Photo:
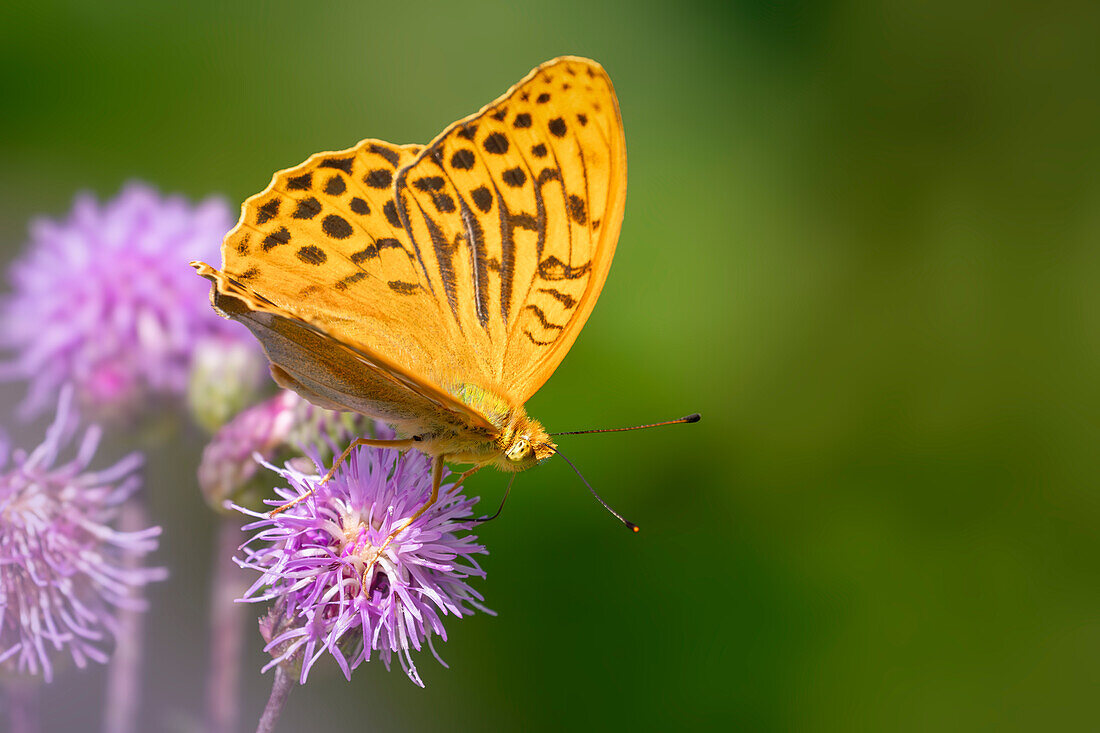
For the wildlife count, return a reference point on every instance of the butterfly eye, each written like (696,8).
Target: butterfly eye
(519,450)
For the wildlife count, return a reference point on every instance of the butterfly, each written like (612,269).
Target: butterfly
(436,287)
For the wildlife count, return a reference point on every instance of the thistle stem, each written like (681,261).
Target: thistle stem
(124,675)
(227,622)
(280,689)
(23,706)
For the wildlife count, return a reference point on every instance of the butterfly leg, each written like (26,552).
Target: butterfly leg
(400,444)
(462,477)
(437,478)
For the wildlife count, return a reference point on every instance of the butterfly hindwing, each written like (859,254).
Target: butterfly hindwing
(338,374)
(324,242)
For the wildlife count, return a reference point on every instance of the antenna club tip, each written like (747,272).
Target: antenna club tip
(633,527)
(693,417)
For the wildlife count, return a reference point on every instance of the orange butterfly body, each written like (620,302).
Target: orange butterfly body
(437,287)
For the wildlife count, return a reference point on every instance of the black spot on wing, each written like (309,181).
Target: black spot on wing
(444,204)
(563,298)
(428,183)
(335,185)
(367,253)
(549,174)
(350,280)
(268,211)
(405,288)
(300,183)
(524,221)
(273,240)
(390,210)
(483,200)
(312,255)
(576,209)
(336,226)
(379,178)
(496,144)
(554,269)
(373,250)
(463,159)
(343,164)
(359,206)
(307,208)
(391,155)
(515,177)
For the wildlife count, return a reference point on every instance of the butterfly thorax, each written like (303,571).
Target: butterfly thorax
(520,442)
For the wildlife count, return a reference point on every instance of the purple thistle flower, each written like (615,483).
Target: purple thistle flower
(105,300)
(312,558)
(63,569)
(279,427)
(227,460)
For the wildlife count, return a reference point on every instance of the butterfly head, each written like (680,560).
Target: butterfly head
(524,444)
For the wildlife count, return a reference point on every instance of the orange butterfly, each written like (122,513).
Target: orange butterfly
(438,287)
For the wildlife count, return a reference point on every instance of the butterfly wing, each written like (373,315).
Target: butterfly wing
(515,212)
(319,260)
(386,279)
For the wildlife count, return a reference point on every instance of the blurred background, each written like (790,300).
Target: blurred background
(861,239)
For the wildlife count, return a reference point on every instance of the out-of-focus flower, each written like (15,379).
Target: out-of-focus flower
(277,429)
(64,570)
(105,300)
(226,376)
(312,559)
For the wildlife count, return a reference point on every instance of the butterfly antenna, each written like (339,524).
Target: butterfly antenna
(694,417)
(633,527)
(507,491)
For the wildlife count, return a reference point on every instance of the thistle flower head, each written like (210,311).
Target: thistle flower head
(64,571)
(226,376)
(276,429)
(104,300)
(337,585)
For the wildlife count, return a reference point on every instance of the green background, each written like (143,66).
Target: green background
(861,239)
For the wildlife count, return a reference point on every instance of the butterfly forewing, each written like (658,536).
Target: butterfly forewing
(516,212)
